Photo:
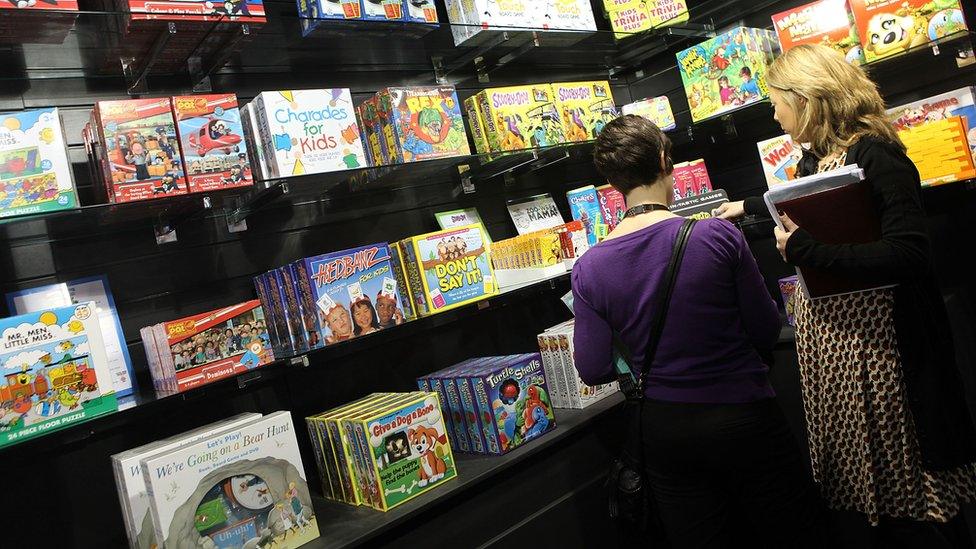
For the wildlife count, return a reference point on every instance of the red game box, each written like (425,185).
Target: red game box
(893,27)
(212,141)
(827,22)
(236,11)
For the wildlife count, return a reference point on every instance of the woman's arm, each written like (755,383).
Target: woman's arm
(760,316)
(592,339)
(903,250)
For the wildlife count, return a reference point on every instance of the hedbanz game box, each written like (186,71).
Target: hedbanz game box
(892,27)
(212,141)
(827,22)
(584,108)
(35,173)
(142,153)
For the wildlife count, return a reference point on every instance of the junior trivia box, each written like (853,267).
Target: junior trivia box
(212,140)
(55,372)
(308,131)
(142,152)
(35,173)
(827,22)
(520,117)
(448,269)
(584,108)
(892,27)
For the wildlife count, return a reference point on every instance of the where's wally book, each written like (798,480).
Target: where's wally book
(535,213)
(55,372)
(243,488)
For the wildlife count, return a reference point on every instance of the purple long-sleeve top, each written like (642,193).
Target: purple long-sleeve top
(720,315)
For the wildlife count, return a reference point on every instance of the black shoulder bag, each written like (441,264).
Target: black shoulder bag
(630,504)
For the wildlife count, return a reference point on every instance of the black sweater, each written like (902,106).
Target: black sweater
(944,426)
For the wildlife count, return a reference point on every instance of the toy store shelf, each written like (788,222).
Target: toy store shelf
(347,526)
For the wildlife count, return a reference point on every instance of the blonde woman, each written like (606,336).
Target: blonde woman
(890,435)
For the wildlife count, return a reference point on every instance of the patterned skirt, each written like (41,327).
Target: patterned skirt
(862,438)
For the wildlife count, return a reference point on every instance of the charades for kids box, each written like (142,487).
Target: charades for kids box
(55,372)
(308,131)
(827,22)
(892,27)
(584,108)
(242,488)
(520,117)
(35,174)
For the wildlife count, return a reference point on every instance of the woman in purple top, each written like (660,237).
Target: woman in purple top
(714,437)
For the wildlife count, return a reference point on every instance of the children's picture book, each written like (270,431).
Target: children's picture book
(520,117)
(450,268)
(826,22)
(238,11)
(457,218)
(426,122)
(348,294)
(613,205)
(534,213)
(82,290)
(940,151)
(655,109)
(308,131)
(961,102)
(726,72)
(143,158)
(893,27)
(584,206)
(585,108)
(35,173)
(212,140)
(55,372)
(780,157)
(241,488)
(691,179)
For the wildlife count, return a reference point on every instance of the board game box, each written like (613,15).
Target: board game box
(308,131)
(55,372)
(471,18)
(826,22)
(655,109)
(238,11)
(241,488)
(348,294)
(691,179)
(425,123)
(892,27)
(584,206)
(520,117)
(448,269)
(584,108)
(35,173)
(420,11)
(457,218)
(613,205)
(940,151)
(212,141)
(575,15)
(726,72)
(512,394)
(780,157)
(959,102)
(143,159)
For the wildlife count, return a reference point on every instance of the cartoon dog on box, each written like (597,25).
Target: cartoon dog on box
(423,440)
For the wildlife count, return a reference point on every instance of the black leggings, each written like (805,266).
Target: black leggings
(713,466)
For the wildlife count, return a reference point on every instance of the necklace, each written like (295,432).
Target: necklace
(644,208)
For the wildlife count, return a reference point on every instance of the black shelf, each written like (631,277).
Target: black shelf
(348,526)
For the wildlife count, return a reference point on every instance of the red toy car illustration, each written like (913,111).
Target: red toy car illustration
(213,136)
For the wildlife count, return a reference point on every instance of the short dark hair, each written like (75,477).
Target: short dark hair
(628,153)
(746,71)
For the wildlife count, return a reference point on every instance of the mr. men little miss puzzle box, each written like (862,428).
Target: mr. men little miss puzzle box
(212,140)
(35,174)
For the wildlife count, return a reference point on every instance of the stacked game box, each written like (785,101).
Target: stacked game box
(447,269)
(27,21)
(629,17)
(584,108)
(203,348)
(940,151)
(567,389)
(307,131)
(518,117)
(403,125)
(211,133)
(494,404)
(35,173)
(55,372)
(961,102)
(323,14)
(613,205)
(238,11)
(474,21)
(826,22)
(131,485)
(727,72)
(242,485)
(330,298)
(780,158)
(892,27)
(655,109)
(382,450)
(691,179)
(537,255)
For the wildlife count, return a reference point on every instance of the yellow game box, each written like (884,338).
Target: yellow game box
(584,108)
(520,117)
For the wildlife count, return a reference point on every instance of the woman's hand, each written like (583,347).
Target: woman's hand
(783,236)
(730,210)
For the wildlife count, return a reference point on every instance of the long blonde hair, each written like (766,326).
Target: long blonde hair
(841,103)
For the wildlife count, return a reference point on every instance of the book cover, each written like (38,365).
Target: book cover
(35,173)
(457,218)
(655,109)
(584,206)
(212,140)
(780,157)
(534,213)
(827,22)
(55,372)
(239,489)
(893,27)
(585,108)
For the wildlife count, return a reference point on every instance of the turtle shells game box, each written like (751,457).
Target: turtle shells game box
(55,372)
(584,108)
(142,153)
(35,173)
(827,22)
(448,269)
(520,117)
(240,488)
(892,27)
(212,141)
